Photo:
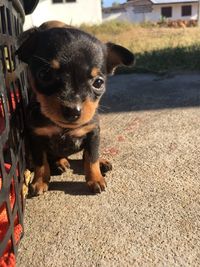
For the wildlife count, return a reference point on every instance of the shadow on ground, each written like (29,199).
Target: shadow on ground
(70,187)
(150,92)
(75,188)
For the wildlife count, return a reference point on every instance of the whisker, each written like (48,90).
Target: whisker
(101,109)
(105,107)
(42,59)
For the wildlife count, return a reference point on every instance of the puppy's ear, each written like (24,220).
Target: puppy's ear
(118,55)
(27,44)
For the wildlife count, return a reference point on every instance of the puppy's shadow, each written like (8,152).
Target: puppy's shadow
(77,166)
(71,187)
(75,188)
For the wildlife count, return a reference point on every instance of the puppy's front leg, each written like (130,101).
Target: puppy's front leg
(94,178)
(41,178)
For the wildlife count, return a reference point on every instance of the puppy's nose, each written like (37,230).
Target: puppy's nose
(71,114)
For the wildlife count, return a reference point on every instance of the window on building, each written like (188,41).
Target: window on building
(57,1)
(186,11)
(166,12)
(70,1)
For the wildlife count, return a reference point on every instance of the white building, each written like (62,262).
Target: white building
(152,10)
(73,12)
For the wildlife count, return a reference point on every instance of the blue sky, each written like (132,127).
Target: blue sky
(109,2)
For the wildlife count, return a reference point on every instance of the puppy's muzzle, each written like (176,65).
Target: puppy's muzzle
(71,114)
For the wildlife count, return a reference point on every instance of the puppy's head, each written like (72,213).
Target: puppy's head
(67,71)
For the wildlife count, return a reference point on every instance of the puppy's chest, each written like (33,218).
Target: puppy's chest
(64,144)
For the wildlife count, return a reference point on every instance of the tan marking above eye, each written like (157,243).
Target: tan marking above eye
(95,72)
(55,64)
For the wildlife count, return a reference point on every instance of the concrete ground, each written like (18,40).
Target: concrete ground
(150,212)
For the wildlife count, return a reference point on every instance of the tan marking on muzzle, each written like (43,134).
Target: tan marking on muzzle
(50,106)
(88,110)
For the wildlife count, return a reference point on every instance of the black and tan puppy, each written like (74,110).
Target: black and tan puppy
(67,75)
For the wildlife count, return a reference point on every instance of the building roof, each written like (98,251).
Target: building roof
(157,2)
(134,3)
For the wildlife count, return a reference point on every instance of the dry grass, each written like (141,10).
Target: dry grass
(171,48)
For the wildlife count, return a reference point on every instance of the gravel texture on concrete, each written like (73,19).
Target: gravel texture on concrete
(150,213)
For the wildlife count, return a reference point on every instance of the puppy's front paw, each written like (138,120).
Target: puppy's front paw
(105,166)
(62,165)
(38,188)
(97,186)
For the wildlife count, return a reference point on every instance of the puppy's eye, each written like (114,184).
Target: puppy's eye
(45,75)
(98,83)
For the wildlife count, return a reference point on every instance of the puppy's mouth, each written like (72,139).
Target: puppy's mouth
(67,124)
